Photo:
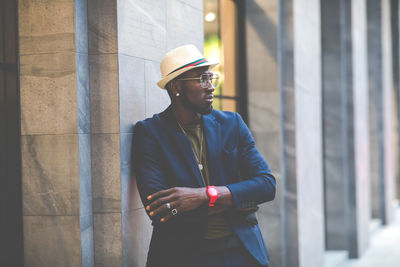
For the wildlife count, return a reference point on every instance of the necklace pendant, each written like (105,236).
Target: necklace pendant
(200,166)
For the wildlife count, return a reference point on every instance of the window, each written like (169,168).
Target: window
(221,30)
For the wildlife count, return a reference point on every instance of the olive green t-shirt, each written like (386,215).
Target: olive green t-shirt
(217,226)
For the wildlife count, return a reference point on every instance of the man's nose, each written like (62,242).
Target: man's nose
(210,86)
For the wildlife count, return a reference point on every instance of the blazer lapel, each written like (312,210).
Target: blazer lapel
(212,131)
(182,143)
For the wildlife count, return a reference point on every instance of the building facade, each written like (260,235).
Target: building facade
(316,80)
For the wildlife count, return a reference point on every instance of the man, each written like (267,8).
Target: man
(199,173)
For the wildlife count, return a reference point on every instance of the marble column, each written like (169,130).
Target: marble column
(55,146)
(336,161)
(394,10)
(308,138)
(264,109)
(301,133)
(358,206)
(375,83)
(380,83)
(387,112)
(105,132)
(342,56)
(146,31)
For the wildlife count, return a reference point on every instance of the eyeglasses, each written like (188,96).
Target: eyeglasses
(205,79)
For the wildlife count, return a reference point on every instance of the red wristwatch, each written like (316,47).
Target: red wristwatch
(212,193)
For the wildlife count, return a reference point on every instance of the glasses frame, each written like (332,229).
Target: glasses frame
(205,84)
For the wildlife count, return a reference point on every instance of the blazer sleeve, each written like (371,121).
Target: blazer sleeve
(150,174)
(259,185)
(146,163)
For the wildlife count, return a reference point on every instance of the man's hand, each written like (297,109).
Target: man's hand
(182,199)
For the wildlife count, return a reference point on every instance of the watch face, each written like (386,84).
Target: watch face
(213,191)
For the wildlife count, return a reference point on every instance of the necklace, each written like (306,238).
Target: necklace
(199,163)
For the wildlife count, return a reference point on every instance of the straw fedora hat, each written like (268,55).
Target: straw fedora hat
(180,60)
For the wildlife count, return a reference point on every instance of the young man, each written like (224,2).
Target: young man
(199,173)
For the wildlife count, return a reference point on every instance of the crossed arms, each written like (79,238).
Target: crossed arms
(258,186)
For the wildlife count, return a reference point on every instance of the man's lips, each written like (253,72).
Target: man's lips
(209,98)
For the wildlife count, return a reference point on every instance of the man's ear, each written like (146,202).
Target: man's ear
(175,87)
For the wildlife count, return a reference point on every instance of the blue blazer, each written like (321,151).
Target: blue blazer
(163,158)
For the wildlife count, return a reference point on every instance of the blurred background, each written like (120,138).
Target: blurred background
(317,82)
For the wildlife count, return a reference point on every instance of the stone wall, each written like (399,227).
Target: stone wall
(88,74)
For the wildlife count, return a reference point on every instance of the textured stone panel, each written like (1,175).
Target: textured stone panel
(52,241)
(262,30)
(136,234)
(261,6)
(141,28)
(264,108)
(270,220)
(107,240)
(157,99)
(106,184)
(87,245)
(50,180)
(102,26)
(129,192)
(198,4)
(104,100)
(85,175)
(51,31)
(83,95)
(268,145)
(184,23)
(81,26)
(132,95)
(48,94)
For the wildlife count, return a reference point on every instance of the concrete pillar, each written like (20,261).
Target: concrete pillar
(264,108)
(55,146)
(301,132)
(160,26)
(380,83)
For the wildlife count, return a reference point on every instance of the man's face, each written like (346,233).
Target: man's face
(194,96)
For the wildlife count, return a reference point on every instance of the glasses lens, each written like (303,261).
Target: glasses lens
(205,79)
(215,81)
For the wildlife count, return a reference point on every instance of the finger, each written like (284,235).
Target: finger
(157,203)
(160,194)
(168,216)
(163,209)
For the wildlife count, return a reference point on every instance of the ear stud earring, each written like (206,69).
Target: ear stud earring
(177,94)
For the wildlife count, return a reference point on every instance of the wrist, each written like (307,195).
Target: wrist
(203,195)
